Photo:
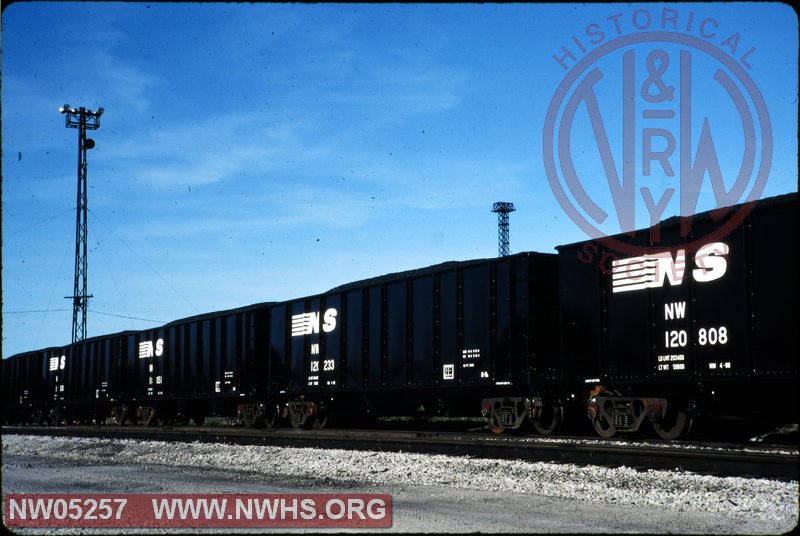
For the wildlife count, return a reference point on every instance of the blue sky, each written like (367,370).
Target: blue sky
(260,152)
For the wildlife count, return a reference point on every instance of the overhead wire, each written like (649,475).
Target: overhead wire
(125,306)
(52,291)
(41,222)
(155,321)
(36,311)
(114,280)
(175,290)
(131,309)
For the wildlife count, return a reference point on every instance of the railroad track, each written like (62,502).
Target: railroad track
(719,459)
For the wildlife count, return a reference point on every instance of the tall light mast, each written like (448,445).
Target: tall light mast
(83,119)
(503,209)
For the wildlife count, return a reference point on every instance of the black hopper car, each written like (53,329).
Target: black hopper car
(666,334)
(658,334)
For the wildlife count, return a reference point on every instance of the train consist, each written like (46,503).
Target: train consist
(656,335)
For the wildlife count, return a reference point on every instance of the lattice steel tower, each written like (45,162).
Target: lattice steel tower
(502,209)
(82,119)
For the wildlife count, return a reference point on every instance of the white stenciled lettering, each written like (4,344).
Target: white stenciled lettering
(674,310)
(149,349)
(675,338)
(652,270)
(712,336)
(329,320)
(57,363)
(145,349)
(308,323)
(647,271)
(448,372)
(710,261)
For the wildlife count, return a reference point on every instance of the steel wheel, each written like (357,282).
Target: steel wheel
(54,418)
(321,421)
(151,419)
(299,421)
(495,426)
(602,426)
(119,414)
(251,420)
(270,419)
(675,424)
(299,418)
(550,419)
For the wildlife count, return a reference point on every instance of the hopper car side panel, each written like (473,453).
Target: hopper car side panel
(703,330)
(773,271)
(436,340)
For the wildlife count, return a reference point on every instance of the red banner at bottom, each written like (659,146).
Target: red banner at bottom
(199,510)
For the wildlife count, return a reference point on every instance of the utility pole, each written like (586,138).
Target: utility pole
(82,119)
(503,209)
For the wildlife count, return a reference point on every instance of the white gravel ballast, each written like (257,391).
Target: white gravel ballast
(431,493)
